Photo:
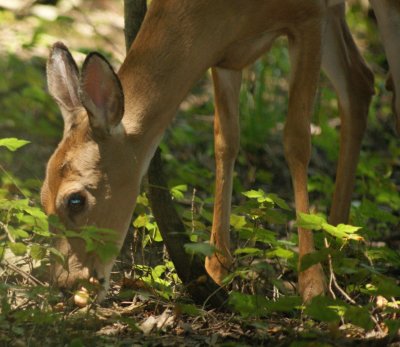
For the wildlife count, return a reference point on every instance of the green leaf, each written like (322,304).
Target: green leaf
(393,325)
(141,221)
(158,271)
(248,305)
(359,316)
(314,258)
(17,233)
(343,231)
(57,255)
(275,216)
(17,248)
(279,202)
(384,253)
(35,212)
(188,309)
(310,221)
(157,237)
(106,251)
(386,286)
(37,252)
(254,194)
(258,234)
(177,191)
(280,253)
(237,222)
(350,231)
(372,210)
(285,304)
(200,248)
(248,251)
(76,342)
(13,143)
(326,309)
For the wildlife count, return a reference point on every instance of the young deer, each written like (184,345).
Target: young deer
(113,123)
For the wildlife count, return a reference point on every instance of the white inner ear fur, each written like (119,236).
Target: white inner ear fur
(101,102)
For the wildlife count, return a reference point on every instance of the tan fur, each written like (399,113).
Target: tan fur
(179,40)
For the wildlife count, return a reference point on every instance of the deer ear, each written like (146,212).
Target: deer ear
(101,94)
(63,81)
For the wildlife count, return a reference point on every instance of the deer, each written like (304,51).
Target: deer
(113,122)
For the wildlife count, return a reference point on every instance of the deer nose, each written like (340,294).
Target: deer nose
(95,280)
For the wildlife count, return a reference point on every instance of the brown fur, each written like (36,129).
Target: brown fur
(178,41)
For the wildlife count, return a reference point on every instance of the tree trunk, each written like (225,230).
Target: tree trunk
(190,268)
(134,12)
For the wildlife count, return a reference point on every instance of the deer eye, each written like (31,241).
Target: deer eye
(76,202)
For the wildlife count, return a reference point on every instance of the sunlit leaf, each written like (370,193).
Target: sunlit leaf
(157,237)
(248,251)
(17,248)
(13,143)
(37,252)
(310,221)
(254,194)
(17,233)
(280,253)
(343,231)
(237,221)
(178,191)
(141,221)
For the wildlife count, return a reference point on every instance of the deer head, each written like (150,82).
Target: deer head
(90,178)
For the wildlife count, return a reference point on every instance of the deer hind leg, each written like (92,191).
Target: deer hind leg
(388,16)
(353,82)
(226,135)
(305,57)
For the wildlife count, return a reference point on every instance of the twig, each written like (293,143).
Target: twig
(116,49)
(5,228)
(12,180)
(220,288)
(331,274)
(332,279)
(193,209)
(33,280)
(375,320)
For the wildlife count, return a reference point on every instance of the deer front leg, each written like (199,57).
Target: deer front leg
(305,56)
(226,136)
(353,82)
(388,16)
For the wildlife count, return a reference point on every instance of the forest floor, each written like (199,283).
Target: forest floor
(150,321)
